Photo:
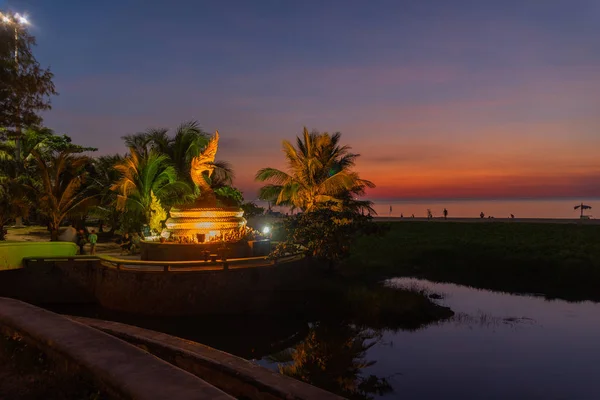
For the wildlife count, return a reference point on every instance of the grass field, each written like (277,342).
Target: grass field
(558,260)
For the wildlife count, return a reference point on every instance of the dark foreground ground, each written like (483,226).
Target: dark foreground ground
(558,260)
(27,374)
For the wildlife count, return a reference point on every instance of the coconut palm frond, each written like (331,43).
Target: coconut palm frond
(319,170)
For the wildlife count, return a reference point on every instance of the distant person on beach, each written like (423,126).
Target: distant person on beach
(482,215)
(413,216)
(401,215)
(445,213)
(429,215)
(512,216)
(93,239)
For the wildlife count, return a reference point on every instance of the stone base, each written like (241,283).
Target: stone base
(156,251)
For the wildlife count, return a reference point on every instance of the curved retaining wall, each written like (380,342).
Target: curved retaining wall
(11,254)
(254,289)
(236,376)
(168,251)
(46,283)
(121,370)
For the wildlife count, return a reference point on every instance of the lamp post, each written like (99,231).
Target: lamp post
(16,21)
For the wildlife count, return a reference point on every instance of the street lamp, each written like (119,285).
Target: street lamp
(17,21)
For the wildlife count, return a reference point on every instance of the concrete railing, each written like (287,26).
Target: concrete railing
(115,367)
(208,265)
(238,377)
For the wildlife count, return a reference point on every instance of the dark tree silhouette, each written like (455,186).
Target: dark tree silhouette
(25,87)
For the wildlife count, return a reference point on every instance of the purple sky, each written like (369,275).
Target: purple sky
(442,98)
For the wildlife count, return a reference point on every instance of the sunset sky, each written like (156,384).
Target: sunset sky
(443,99)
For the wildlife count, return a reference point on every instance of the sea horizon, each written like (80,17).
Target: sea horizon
(552,208)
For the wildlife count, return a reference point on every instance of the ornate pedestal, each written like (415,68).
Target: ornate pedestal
(194,224)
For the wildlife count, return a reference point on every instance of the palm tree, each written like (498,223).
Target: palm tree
(319,172)
(189,142)
(333,357)
(14,172)
(141,177)
(13,202)
(138,142)
(41,141)
(103,177)
(61,189)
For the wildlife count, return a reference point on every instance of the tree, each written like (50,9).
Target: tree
(61,190)
(319,171)
(251,209)
(188,142)
(25,87)
(24,170)
(105,175)
(13,201)
(229,196)
(141,177)
(333,357)
(325,233)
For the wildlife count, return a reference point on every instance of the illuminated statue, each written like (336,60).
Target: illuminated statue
(205,162)
(203,221)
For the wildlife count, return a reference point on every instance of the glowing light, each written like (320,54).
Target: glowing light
(215,223)
(212,234)
(266,230)
(22,19)
(17,19)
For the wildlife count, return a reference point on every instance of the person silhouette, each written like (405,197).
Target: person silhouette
(482,215)
(445,213)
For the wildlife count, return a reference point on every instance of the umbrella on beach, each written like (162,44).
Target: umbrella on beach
(582,207)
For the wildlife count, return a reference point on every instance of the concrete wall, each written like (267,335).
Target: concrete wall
(264,289)
(118,369)
(169,251)
(46,283)
(236,376)
(238,290)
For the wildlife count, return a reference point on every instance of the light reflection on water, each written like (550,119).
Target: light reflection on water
(498,346)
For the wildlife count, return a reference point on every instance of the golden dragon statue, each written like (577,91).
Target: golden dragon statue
(205,163)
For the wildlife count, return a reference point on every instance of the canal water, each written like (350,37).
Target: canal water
(497,346)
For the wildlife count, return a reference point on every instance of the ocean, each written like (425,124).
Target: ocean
(501,208)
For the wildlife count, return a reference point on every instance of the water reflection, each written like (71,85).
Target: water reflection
(486,320)
(333,356)
(497,346)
